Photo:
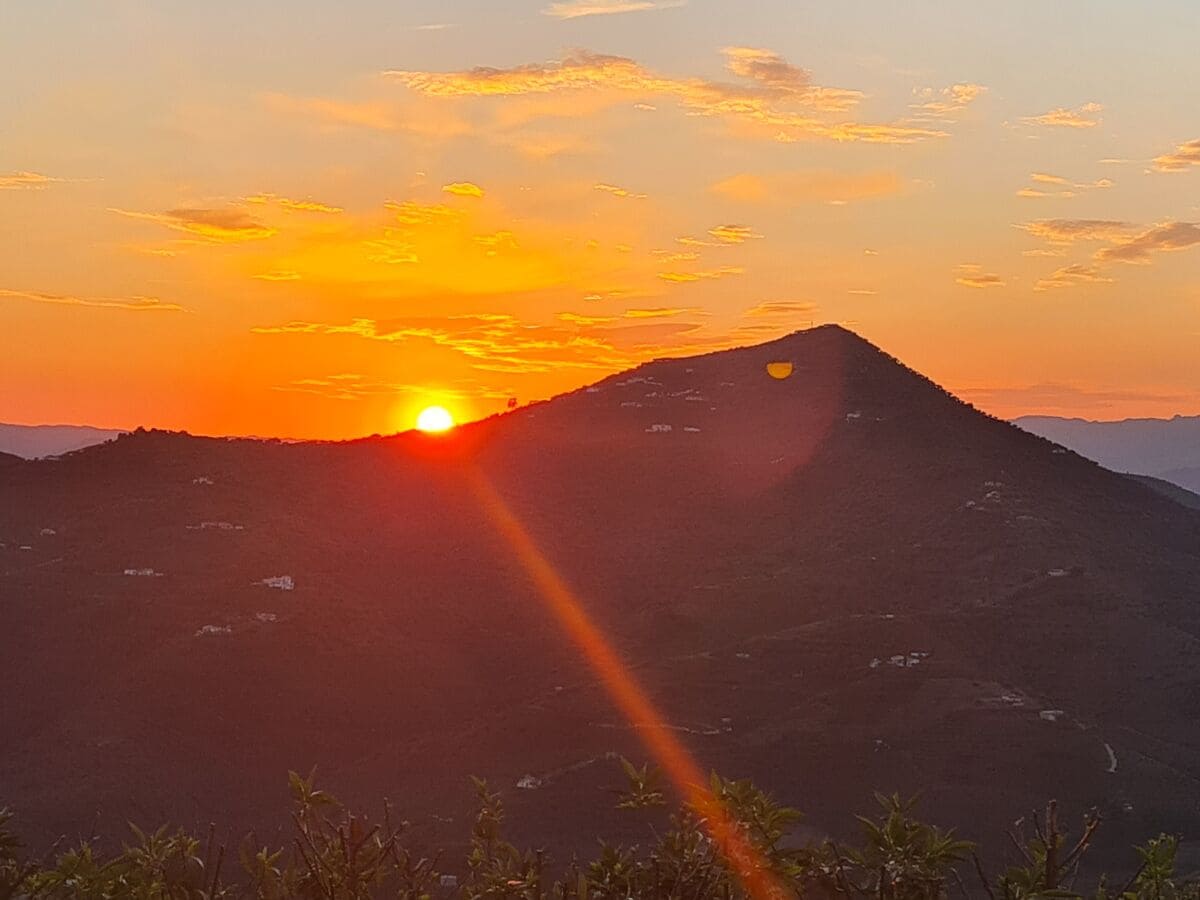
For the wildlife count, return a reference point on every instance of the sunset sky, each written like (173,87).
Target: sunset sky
(309,219)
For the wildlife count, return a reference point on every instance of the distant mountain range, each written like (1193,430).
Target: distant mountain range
(832,582)
(1163,448)
(36,441)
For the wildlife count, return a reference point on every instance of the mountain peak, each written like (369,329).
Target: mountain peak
(760,544)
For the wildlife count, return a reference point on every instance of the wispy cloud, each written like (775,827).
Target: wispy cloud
(229,225)
(497,241)
(136,304)
(777,101)
(353,386)
(663,312)
(290,205)
(733,234)
(618,191)
(495,342)
(767,68)
(1085,116)
(26,181)
(1065,231)
(576,9)
(1048,185)
(1072,276)
(700,275)
(342,386)
(463,189)
(1166,237)
(781,308)
(972,275)
(492,341)
(1181,159)
(412,212)
(946,103)
(578,319)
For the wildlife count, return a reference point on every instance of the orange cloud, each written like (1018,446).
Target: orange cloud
(948,102)
(497,241)
(1180,159)
(577,319)
(137,304)
(767,68)
(1065,231)
(410,212)
(703,275)
(618,191)
(663,312)
(463,189)
(780,103)
(673,256)
(1071,276)
(292,205)
(972,275)
(788,188)
(492,341)
(18,181)
(781,308)
(506,343)
(1086,116)
(390,250)
(218,226)
(1166,237)
(353,386)
(1066,187)
(733,234)
(575,9)
(1034,193)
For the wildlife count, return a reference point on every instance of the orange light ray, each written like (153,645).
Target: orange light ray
(628,695)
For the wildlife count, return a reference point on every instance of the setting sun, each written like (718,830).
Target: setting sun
(435,418)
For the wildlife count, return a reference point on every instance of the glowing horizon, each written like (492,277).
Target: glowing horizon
(375,210)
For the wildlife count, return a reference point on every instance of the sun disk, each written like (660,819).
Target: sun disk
(435,418)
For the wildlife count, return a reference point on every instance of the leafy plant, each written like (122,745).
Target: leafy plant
(334,854)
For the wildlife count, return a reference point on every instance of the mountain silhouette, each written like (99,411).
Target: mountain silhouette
(835,581)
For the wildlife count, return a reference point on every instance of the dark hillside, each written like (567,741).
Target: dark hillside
(834,582)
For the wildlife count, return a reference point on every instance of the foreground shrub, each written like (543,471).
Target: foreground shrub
(337,855)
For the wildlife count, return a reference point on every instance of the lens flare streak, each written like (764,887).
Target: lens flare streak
(628,695)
